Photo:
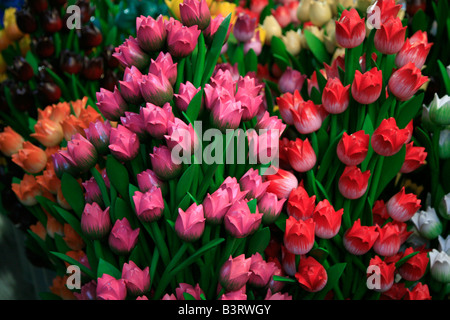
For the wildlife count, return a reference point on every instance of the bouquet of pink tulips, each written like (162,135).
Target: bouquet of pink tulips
(207,179)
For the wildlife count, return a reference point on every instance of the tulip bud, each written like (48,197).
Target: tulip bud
(352,149)
(130,54)
(44,47)
(388,139)
(358,239)
(10,142)
(156,89)
(292,42)
(240,222)
(414,268)
(124,144)
(95,222)
(163,164)
(299,235)
(406,81)
(190,224)
(156,119)
(93,68)
(366,87)
(148,179)
(109,288)
(386,274)
(182,40)
(136,280)
(48,132)
(212,28)
(21,69)
(149,206)
(252,182)
(415,49)
(183,288)
(327,220)
(350,29)
(319,13)
(281,183)
(135,123)
(123,238)
(288,105)
(353,183)
(185,95)
(401,207)
(390,38)
(244,27)
(195,12)
(440,266)
(261,271)
(388,241)
(181,137)
(82,152)
(440,110)
(335,97)
(301,155)
(300,205)
(235,273)
(303,10)
(311,275)
(26,21)
(272,28)
(164,63)
(30,158)
(291,80)
(27,190)
(420,292)
(111,104)
(427,223)
(414,158)
(216,205)
(98,134)
(151,33)
(270,207)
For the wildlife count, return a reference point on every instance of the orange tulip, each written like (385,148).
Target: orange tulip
(79,105)
(48,132)
(10,142)
(50,151)
(89,115)
(48,180)
(30,158)
(72,238)
(54,226)
(72,125)
(39,230)
(27,190)
(56,112)
(76,255)
(59,288)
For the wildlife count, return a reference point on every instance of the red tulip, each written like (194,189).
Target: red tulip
(401,207)
(388,242)
(288,104)
(414,158)
(281,183)
(350,29)
(282,15)
(388,139)
(358,240)
(390,38)
(311,275)
(406,81)
(419,292)
(327,220)
(415,49)
(414,268)
(335,97)
(385,272)
(352,149)
(300,205)
(388,9)
(353,183)
(366,87)
(308,117)
(299,235)
(301,155)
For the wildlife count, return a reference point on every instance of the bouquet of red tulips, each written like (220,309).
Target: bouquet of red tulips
(203,177)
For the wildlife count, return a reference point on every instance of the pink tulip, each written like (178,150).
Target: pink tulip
(136,280)
(123,238)
(98,134)
(88,291)
(111,104)
(182,40)
(233,188)
(195,292)
(291,80)
(235,273)
(248,94)
(147,179)
(190,224)
(181,136)
(185,95)
(130,86)
(130,54)
(149,206)
(164,63)
(216,205)
(270,207)
(195,12)
(156,119)
(212,28)
(151,34)
(240,222)
(252,182)
(82,152)
(95,222)
(156,89)
(124,144)
(135,123)
(109,288)
(261,271)
(163,165)
(93,193)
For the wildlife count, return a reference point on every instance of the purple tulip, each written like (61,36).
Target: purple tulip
(244,27)
(291,80)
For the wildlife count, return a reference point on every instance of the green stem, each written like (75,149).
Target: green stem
(172,195)
(159,242)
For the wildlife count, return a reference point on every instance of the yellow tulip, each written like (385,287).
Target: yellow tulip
(320,13)
(272,28)
(224,8)
(174,6)
(24,44)
(11,29)
(262,34)
(292,41)
(4,40)
(303,10)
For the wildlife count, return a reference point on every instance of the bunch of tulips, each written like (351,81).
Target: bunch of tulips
(218,167)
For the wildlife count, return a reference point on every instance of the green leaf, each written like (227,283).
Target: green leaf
(194,106)
(111,36)
(118,175)
(251,61)
(283,279)
(73,193)
(334,274)
(185,182)
(320,254)
(409,110)
(317,47)
(252,205)
(31,59)
(278,48)
(122,210)
(328,157)
(368,129)
(72,220)
(445,76)
(200,63)
(419,21)
(391,166)
(72,261)
(214,52)
(104,267)
(259,241)
(188,296)
(400,262)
